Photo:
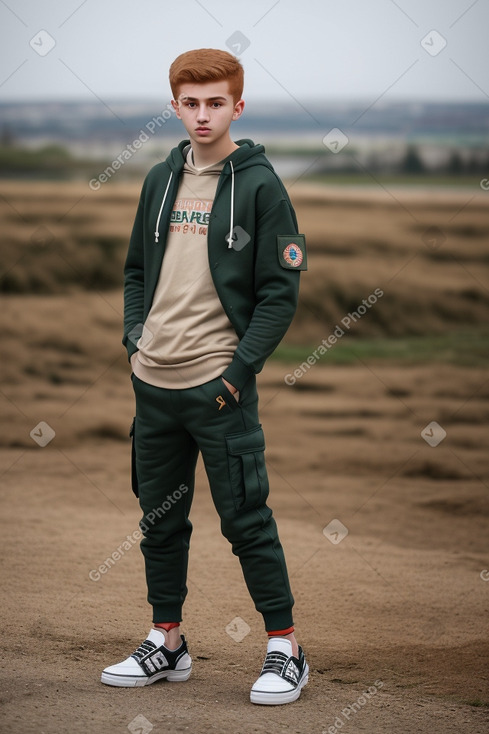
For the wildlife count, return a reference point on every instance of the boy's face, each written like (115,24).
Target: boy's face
(207,111)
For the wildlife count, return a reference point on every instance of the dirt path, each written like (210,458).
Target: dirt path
(393,618)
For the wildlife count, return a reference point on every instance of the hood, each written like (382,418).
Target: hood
(247,155)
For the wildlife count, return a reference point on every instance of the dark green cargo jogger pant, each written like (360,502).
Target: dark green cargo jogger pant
(171,426)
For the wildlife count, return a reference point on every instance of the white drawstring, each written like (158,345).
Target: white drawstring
(230,238)
(157,234)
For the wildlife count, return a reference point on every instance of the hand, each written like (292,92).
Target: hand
(233,390)
(230,387)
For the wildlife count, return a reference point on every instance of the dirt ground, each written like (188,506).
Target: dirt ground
(397,608)
(385,535)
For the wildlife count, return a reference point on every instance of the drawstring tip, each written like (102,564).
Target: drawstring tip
(157,234)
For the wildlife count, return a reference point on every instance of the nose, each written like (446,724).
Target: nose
(203,115)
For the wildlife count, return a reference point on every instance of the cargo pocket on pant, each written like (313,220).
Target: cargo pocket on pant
(247,470)
(134,476)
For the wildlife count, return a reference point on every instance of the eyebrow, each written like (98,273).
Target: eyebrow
(210,99)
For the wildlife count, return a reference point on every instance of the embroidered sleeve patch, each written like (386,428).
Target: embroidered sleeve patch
(292,251)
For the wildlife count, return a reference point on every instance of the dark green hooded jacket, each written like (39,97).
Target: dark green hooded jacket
(255,272)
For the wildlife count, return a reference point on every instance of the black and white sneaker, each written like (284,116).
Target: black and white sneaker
(150,662)
(283,675)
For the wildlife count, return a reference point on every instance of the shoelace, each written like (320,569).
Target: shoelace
(143,649)
(274,662)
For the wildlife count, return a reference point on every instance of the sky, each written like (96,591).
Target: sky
(305,50)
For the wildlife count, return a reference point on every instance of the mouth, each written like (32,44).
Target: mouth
(202,129)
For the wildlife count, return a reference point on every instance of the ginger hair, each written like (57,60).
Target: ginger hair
(205,65)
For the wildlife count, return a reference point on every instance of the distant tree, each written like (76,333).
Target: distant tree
(473,164)
(6,136)
(455,165)
(477,162)
(412,161)
(484,164)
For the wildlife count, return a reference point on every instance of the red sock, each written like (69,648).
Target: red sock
(167,625)
(280,633)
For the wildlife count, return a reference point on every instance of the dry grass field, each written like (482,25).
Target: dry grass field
(398,606)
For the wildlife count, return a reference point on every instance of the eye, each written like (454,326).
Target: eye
(217,104)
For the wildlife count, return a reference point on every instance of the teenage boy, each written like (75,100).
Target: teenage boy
(212,272)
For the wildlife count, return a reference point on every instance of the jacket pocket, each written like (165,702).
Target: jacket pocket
(247,470)
(134,476)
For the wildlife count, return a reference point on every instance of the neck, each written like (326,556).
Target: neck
(205,155)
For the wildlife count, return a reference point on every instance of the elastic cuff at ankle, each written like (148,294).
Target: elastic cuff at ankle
(278,620)
(164,613)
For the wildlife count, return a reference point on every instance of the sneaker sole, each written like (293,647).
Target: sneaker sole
(132,681)
(275,699)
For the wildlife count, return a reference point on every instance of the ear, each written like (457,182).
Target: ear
(176,107)
(238,109)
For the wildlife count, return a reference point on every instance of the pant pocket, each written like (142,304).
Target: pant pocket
(247,470)
(134,476)
(229,397)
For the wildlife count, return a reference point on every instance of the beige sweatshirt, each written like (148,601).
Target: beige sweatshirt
(187,338)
